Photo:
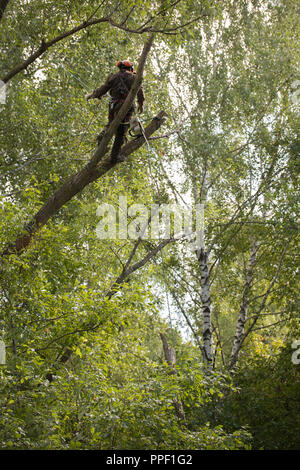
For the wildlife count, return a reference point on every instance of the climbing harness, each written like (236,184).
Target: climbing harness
(135,128)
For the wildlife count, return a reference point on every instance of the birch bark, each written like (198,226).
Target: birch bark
(203,257)
(206,307)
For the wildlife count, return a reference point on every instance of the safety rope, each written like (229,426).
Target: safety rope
(153,180)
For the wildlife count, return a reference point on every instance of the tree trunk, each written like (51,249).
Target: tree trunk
(3,5)
(206,307)
(202,256)
(170,358)
(239,332)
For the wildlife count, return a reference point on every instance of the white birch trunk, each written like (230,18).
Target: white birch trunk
(206,307)
(202,256)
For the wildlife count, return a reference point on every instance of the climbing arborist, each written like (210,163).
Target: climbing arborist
(118,85)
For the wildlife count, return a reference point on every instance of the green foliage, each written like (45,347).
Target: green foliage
(113,395)
(267,401)
(85,366)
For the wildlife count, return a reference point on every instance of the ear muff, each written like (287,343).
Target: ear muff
(124,63)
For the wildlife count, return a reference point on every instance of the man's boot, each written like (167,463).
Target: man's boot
(120,158)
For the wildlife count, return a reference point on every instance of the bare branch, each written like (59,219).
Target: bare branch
(196,336)
(265,298)
(126,273)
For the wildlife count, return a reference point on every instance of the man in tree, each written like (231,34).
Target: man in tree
(118,85)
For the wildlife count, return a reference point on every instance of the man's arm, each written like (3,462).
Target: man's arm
(102,89)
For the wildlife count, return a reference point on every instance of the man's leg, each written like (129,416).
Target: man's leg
(118,142)
(120,138)
(111,115)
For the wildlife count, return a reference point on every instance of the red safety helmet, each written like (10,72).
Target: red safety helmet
(125,63)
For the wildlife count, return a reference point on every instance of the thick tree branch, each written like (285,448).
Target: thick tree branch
(92,170)
(45,45)
(3,5)
(73,186)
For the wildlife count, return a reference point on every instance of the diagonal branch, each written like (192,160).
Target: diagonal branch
(92,170)
(75,184)
(244,307)
(3,5)
(139,264)
(195,334)
(67,351)
(234,358)
(45,45)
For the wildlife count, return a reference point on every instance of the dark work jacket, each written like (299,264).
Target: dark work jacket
(118,87)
